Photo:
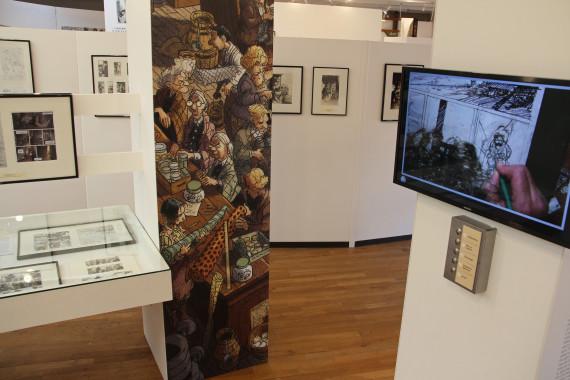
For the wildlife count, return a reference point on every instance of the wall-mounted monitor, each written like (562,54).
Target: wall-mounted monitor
(495,145)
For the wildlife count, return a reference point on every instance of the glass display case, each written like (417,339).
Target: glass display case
(98,256)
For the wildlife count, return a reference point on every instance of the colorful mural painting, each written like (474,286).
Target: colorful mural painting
(212,62)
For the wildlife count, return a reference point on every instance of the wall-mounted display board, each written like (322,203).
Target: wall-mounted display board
(16,74)
(330,91)
(37,138)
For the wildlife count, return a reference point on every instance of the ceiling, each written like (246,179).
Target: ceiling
(93,5)
(394,5)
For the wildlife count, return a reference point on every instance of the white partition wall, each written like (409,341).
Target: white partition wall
(446,331)
(332,175)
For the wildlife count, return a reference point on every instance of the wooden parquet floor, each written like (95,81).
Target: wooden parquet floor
(334,314)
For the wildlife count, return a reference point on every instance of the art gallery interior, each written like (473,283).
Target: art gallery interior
(333,195)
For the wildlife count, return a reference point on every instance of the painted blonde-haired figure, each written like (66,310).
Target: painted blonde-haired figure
(256,197)
(254,62)
(252,142)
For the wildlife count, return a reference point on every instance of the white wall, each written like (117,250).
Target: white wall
(332,175)
(446,331)
(382,208)
(319,21)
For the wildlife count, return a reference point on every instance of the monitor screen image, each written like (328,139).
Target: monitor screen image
(492,144)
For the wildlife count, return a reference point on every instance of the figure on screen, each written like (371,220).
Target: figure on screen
(524,197)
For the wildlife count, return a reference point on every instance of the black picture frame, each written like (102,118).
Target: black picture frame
(16,60)
(289,98)
(390,95)
(334,101)
(37,138)
(55,240)
(49,278)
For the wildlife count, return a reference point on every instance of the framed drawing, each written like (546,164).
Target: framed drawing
(73,238)
(110,74)
(29,278)
(16,74)
(115,15)
(108,266)
(287,89)
(391,94)
(330,91)
(37,138)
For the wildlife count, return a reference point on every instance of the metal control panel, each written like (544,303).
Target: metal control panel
(469,253)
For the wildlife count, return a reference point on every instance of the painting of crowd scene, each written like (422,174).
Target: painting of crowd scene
(212,66)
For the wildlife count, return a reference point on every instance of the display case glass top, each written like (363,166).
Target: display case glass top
(43,252)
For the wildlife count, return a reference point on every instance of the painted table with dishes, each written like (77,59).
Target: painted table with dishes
(230,287)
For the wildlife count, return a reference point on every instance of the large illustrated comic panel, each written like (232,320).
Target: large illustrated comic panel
(212,62)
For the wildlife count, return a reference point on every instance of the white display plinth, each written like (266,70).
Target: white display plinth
(102,267)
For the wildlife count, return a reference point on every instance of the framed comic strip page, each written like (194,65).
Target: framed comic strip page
(37,138)
(29,278)
(287,89)
(391,94)
(330,91)
(110,74)
(16,74)
(73,238)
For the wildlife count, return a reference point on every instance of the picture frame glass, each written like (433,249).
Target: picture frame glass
(16,74)
(37,138)
(287,89)
(29,278)
(73,238)
(110,74)
(391,93)
(330,91)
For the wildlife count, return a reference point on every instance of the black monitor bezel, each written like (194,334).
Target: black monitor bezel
(551,234)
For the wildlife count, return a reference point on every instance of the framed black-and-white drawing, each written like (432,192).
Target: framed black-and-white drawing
(330,91)
(73,238)
(287,89)
(28,278)
(37,138)
(16,74)
(110,74)
(115,15)
(391,94)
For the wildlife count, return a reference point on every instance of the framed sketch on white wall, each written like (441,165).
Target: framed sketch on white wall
(287,89)
(110,74)
(115,15)
(16,74)
(391,93)
(330,91)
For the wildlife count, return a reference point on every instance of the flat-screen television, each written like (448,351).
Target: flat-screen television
(494,145)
